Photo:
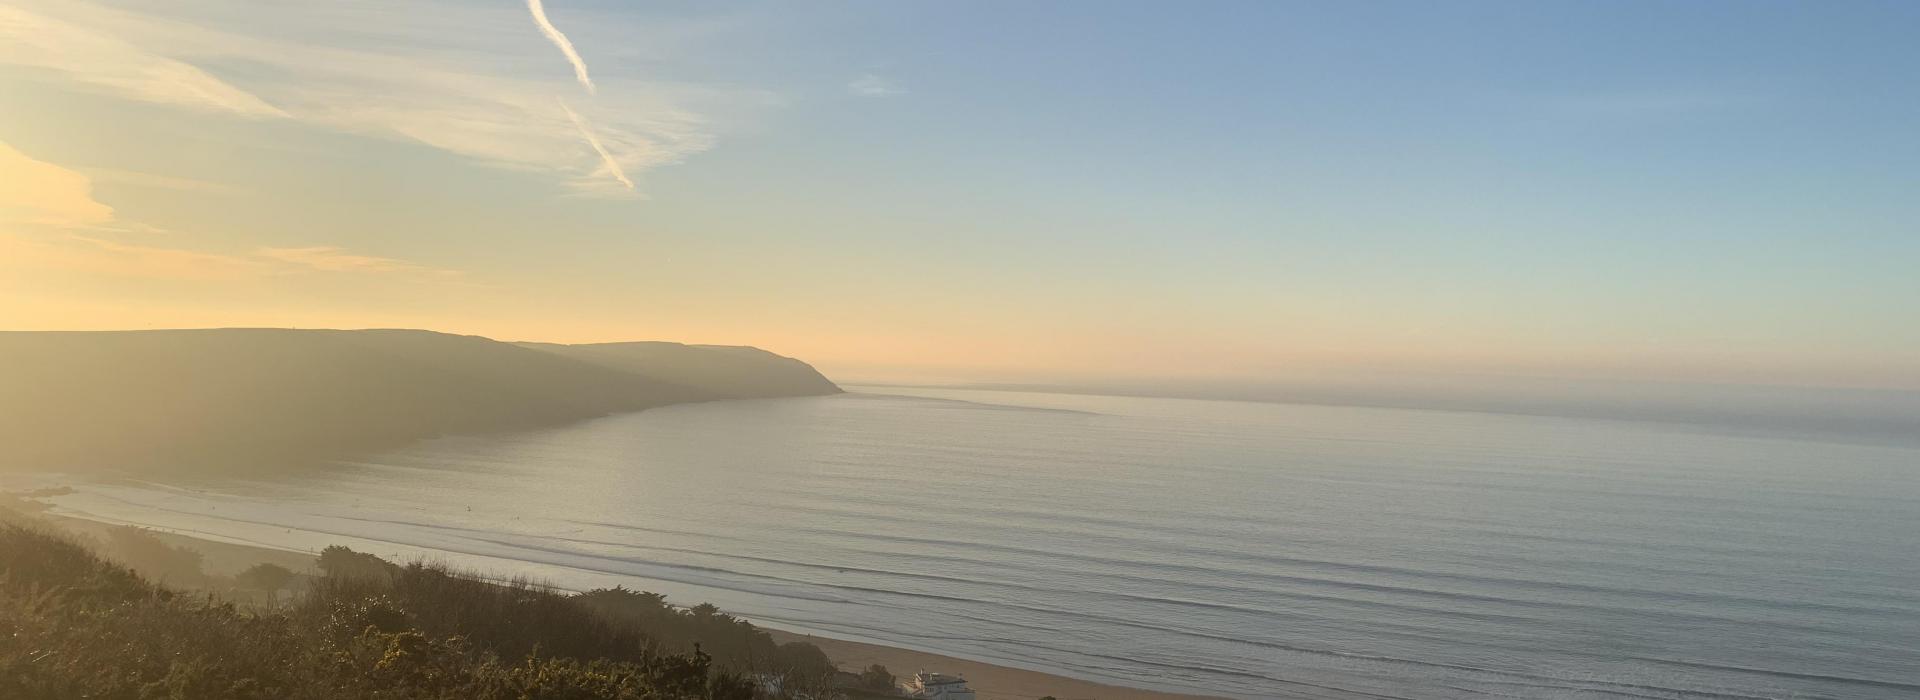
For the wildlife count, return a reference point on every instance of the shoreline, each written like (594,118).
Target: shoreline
(989,681)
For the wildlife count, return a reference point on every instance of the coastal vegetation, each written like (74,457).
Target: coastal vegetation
(74,624)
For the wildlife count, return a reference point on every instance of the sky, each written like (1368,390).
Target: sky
(991,191)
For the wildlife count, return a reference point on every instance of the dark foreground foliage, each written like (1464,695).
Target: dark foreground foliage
(75,626)
(515,618)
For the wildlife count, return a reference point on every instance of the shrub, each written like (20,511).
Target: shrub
(73,625)
(266,578)
(877,678)
(154,559)
(338,562)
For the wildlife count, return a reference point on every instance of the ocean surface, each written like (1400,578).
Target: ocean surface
(1236,549)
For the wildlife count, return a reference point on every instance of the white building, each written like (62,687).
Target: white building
(938,686)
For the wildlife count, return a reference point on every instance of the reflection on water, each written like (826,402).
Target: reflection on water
(1253,550)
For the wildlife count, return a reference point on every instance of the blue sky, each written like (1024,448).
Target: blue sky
(1701,191)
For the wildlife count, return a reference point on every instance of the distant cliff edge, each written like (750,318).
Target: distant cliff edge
(729,370)
(260,398)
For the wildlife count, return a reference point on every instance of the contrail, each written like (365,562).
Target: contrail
(566,47)
(594,141)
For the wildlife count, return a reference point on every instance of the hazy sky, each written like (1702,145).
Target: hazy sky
(990,190)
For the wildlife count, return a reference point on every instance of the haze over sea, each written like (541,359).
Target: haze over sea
(1230,548)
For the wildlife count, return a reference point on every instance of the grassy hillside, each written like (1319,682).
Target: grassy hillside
(724,369)
(73,625)
(255,397)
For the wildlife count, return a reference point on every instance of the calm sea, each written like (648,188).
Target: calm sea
(1238,549)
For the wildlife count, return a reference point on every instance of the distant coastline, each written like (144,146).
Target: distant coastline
(239,398)
(1834,414)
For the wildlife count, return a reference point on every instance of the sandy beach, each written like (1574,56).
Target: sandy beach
(990,681)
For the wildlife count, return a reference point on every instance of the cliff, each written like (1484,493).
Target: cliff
(263,397)
(730,370)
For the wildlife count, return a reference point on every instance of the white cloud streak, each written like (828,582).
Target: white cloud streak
(560,40)
(612,164)
(871,85)
(50,220)
(457,77)
(103,61)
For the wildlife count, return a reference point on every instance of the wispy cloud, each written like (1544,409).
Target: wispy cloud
(539,11)
(871,85)
(332,259)
(90,254)
(103,61)
(454,76)
(37,193)
(100,255)
(163,182)
(49,219)
(586,132)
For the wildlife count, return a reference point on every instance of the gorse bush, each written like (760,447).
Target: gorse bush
(878,678)
(153,558)
(733,642)
(340,563)
(75,626)
(266,578)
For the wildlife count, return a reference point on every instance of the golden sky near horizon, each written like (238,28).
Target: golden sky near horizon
(597,174)
(72,263)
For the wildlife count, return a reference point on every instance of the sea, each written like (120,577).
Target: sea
(1235,549)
